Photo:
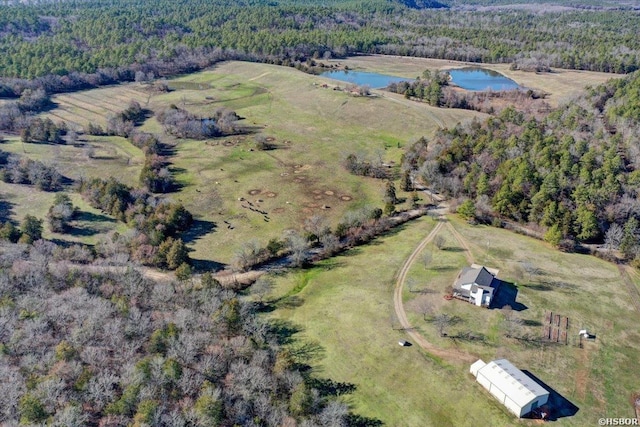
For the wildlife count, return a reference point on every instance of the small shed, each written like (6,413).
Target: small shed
(517,391)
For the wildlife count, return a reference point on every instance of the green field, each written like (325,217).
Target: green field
(346,306)
(313,128)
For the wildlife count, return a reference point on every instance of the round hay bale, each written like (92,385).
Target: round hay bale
(255,192)
(271,194)
(346,198)
(329,193)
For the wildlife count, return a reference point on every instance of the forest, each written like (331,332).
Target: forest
(84,344)
(70,39)
(574,172)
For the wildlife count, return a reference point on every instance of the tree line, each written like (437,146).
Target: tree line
(85,345)
(574,173)
(75,45)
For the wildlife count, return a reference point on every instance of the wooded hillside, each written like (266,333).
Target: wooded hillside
(165,38)
(576,172)
(93,345)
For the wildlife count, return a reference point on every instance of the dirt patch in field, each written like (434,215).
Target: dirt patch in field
(318,197)
(278,210)
(228,143)
(300,179)
(307,210)
(312,205)
(271,194)
(284,174)
(255,192)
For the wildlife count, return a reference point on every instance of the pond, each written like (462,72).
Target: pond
(362,78)
(481,79)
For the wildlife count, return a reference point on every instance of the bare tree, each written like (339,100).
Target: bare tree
(262,287)
(298,246)
(442,322)
(424,306)
(247,255)
(511,321)
(317,225)
(613,237)
(531,269)
(330,244)
(439,242)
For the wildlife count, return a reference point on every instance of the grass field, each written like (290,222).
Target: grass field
(314,128)
(87,227)
(562,85)
(347,306)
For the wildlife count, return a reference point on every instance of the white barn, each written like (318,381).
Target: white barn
(512,387)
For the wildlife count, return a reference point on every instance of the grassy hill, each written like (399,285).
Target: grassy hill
(313,129)
(345,307)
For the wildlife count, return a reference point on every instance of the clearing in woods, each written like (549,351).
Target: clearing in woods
(237,192)
(347,304)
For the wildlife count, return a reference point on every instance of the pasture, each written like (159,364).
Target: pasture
(88,226)
(226,181)
(346,304)
(237,192)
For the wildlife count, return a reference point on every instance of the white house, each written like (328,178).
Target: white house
(512,387)
(476,284)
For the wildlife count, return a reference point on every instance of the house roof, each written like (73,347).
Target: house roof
(517,385)
(479,276)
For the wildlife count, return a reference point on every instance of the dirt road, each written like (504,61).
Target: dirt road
(449,355)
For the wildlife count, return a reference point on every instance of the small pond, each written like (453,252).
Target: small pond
(481,79)
(362,78)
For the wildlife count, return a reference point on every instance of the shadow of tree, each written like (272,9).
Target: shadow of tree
(291,301)
(198,229)
(354,420)
(328,387)
(92,217)
(205,265)
(6,210)
(283,330)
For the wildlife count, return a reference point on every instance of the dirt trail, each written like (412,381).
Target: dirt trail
(461,240)
(625,272)
(261,75)
(447,354)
